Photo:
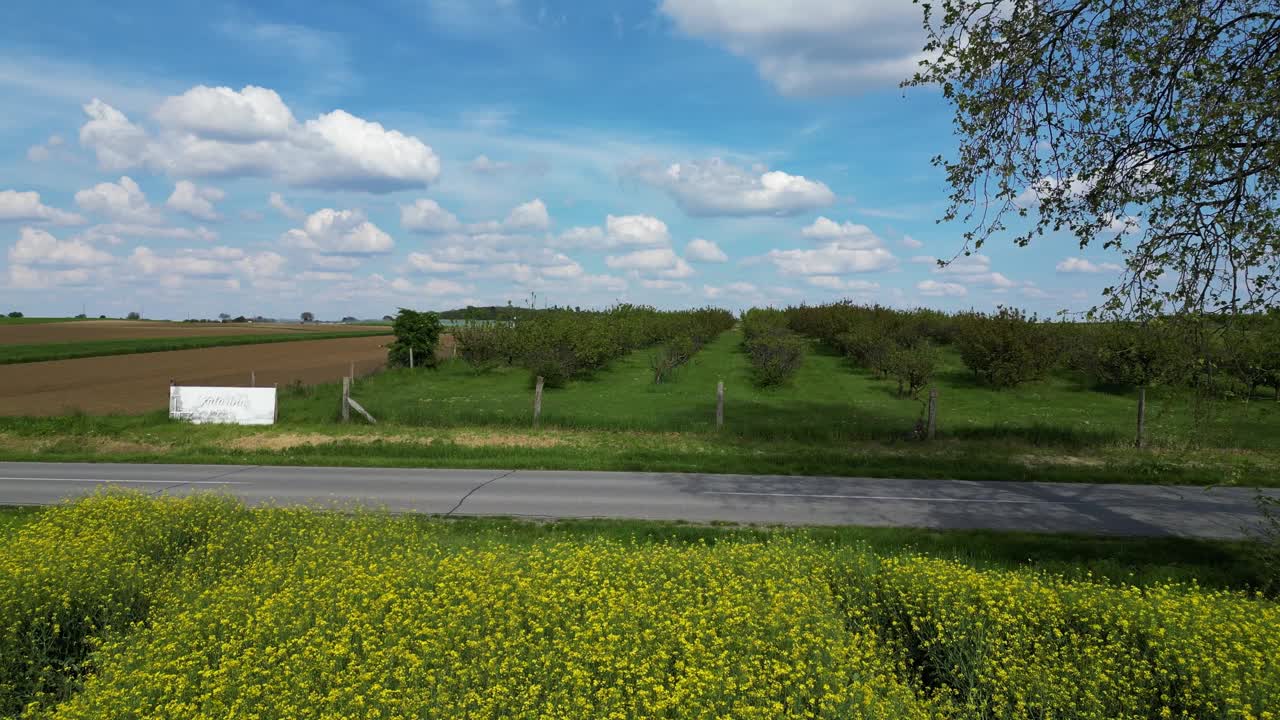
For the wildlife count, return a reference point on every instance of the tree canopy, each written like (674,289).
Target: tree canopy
(1151,127)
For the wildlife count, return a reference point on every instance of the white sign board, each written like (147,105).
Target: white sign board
(238,405)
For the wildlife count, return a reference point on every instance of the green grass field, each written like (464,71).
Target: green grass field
(831,419)
(10,354)
(124,605)
(5,320)
(828,401)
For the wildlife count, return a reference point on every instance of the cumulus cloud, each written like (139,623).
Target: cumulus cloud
(277,201)
(529,216)
(37,247)
(975,269)
(847,234)
(428,263)
(25,277)
(253,113)
(339,232)
(426,215)
(831,259)
(41,152)
(26,207)
(657,261)
(196,201)
(832,282)
(123,201)
(933,288)
(112,232)
(923,260)
(619,231)
(211,132)
(911,243)
(715,187)
(1082,265)
(704,251)
(811,47)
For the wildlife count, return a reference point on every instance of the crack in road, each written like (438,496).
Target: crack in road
(204,481)
(473,490)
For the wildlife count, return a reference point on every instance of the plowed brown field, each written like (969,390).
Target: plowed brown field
(88,330)
(137,383)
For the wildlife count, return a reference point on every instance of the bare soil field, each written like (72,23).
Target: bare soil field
(89,330)
(140,382)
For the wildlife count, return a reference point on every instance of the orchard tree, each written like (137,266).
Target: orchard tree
(1150,127)
(308,317)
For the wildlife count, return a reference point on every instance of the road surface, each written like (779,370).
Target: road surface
(944,504)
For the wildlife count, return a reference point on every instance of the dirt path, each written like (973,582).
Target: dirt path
(137,383)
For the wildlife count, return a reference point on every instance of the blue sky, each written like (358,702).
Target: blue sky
(185,159)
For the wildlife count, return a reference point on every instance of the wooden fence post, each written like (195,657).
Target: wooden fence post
(253,379)
(275,411)
(346,395)
(353,372)
(719,404)
(537,401)
(933,413)
(1142,415)
(411,357)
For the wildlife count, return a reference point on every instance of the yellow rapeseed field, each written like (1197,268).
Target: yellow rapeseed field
(126,606)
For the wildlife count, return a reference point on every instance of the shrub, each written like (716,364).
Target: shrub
(774,351)
(135,315)
(483,345)
(669,357)
(1007,348)
(1124,353)
(912,366)
(419,331)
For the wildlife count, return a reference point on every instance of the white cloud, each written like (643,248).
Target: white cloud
(339,232)
(923,260)
(657,261)
(715,187)
(1082,265)
(705,251)
(245,135)
(277,201)
(810,47)
(26,207)
(253,113)
(911,243)
(619,231)
(482,165)
(847,235)
(123,201)
(211,263)
(334,262)
(671,285)
(975,269)
(195,201)
(112,232)
(637,230)
(832,282)
(529,216)
(37,247)
(41,152)
(426,262)
(831,259)
(933,288)
(426,215)
(23,277)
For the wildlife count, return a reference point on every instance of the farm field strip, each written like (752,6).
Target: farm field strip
(139,383)
(43,333)
(71,350)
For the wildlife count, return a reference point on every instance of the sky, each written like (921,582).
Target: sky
(185,159)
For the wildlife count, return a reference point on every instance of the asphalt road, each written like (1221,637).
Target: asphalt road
(943,504)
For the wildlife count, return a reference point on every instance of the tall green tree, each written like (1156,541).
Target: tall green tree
(1151,127)
(417,330)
